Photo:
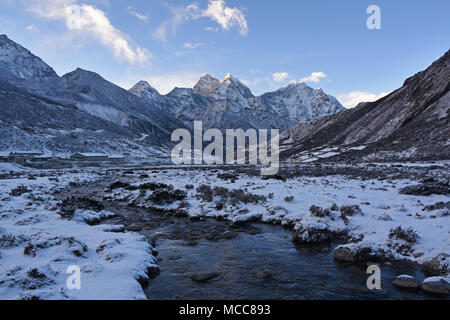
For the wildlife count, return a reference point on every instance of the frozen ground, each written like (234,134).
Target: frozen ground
(338,203)
(37,246)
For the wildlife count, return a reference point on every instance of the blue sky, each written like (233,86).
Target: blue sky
(265,44)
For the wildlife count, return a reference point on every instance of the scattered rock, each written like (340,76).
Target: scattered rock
(204,277)
(438,206)
(418,255)
(343,254)
(228,235)
(437,266)
(427,189)
(134,228)
(436,285)
(406,282)
(265,274)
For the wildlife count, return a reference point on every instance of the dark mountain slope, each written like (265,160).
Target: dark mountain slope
(410,123)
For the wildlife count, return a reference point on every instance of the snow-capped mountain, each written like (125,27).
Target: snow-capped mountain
(145,91)
(299,102)
(79,111)
(74,112)
(18,62)
(230,104)
(410,123)
(206,85)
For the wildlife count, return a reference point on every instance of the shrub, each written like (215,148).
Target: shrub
(319,212)
(205,193)
(350,211)
(409,235)
(162,197)
(20,190)
(70,205)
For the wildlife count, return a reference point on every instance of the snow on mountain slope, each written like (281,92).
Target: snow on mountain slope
(298,101)
(230,104)
(410,123)
(206,85)
(16,61)
(145,91)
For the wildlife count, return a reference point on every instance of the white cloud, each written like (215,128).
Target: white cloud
(314,77)
(280,76)
(192,45)
(138,15)
(217,11)
(225,16)
(31,28)
(212,29)
(179,16)
(352,99)
(88,20)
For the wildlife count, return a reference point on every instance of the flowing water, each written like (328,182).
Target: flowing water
(296,273)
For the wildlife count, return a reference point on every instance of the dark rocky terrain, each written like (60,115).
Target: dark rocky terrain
(410,123)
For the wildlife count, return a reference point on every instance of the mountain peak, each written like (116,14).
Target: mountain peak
(82,74)
(144,89)
(206,85)
(20,63)
(227,77)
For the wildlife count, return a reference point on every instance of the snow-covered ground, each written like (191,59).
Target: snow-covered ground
(37,246)
(376,208)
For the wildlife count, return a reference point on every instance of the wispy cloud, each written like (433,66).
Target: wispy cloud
(31,28)
(225,16)
(90,21)
(217,11)
(315,77)
(179,16)
(280,76)
(352,99)
(212,29)
(192,45)
(136,14)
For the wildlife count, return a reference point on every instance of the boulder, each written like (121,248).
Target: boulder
(437,266)
(204,277)
(265,274)
(134,228)
(343,254)
(436,285)
(406,282)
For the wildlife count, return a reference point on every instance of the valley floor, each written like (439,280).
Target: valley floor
(376,212)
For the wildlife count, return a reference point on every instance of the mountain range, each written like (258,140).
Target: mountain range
(81,111)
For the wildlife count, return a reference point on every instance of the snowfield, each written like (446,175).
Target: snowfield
(37,246)
(370,218)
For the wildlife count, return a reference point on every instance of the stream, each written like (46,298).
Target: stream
(211,259)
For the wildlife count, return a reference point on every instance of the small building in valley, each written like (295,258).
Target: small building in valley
(4,156)
(89,157)
(42,158)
